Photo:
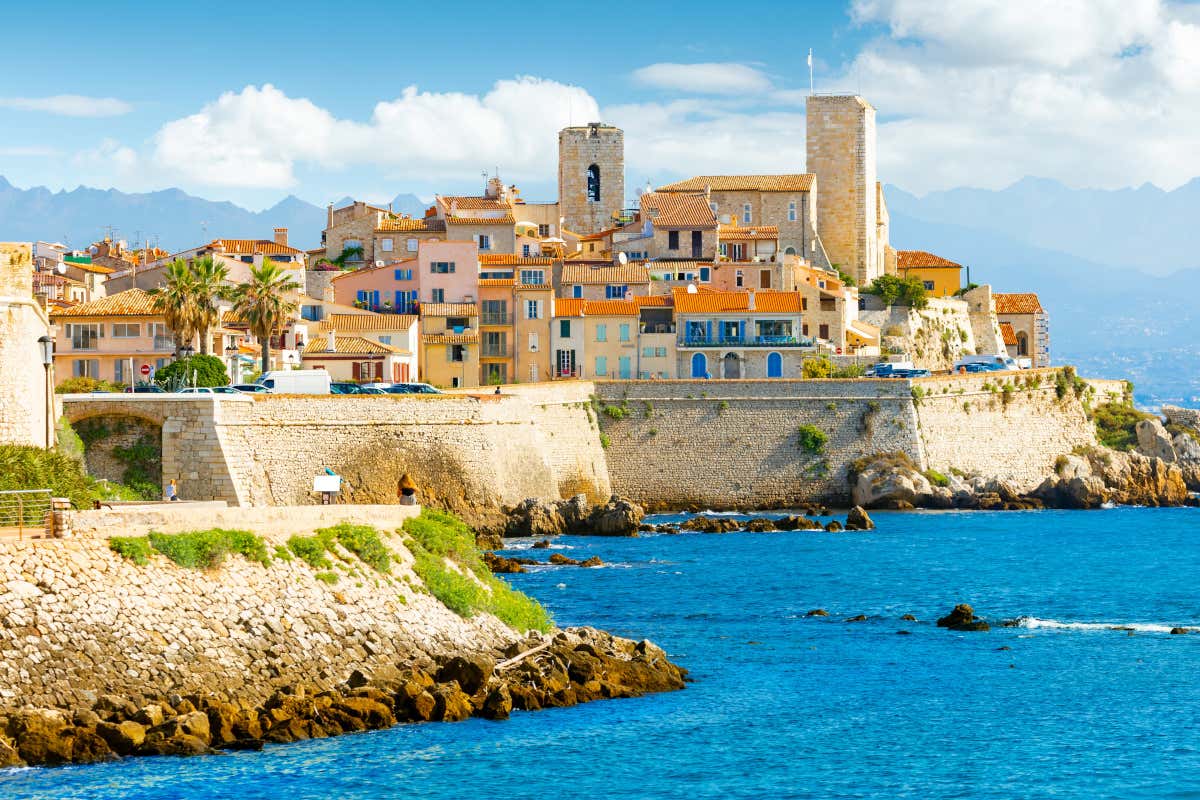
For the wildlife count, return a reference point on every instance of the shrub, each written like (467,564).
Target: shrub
(605,440)
(649,408)
(812,439)
(893,460)
(311,550)
(892,289)
(816,368)
(1116,425)
(326,577)
(936,478)
(616,412)
(1066,382)
(363,541)
(209,371)
(85,385)
(207,549)
(1060,464)
(136,548)
(23,467)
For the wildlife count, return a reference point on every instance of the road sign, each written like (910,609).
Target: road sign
(145,369)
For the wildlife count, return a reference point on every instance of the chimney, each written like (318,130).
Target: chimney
(331,341)
(281,236)
(750,302)
(329,216)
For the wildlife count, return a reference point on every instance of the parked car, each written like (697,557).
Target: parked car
(346,387)
(412,388)
(993,362)
(209,390)
(250,388)
(884,369)
(296,381)
(147,389)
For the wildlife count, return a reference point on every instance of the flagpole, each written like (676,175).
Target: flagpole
(810,72)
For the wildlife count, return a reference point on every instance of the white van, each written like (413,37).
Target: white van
(295,381)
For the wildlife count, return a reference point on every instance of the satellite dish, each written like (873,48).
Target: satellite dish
(62,268)
(624,259)
(692,288)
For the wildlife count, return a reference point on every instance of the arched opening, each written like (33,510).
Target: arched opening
(699,365)
(593,184)
(789,251)
(731,366)
(1022,343)
(774,365)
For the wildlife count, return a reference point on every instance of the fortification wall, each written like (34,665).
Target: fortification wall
(1188,417)
(189,516)
(737,444)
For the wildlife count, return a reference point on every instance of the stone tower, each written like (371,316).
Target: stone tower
(24,393)
(841,152)
(591,176)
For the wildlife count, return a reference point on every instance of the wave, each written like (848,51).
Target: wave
(1034,623)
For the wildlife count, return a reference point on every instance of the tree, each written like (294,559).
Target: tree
(208,286)
(208,371)
(262,303)
(893,289)
(340,261)
(175,299)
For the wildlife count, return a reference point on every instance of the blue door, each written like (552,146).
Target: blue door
(774,365)
(625,368)
(699,366)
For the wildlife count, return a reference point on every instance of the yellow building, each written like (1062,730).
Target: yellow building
(533,305)
(941,277)
(450,344)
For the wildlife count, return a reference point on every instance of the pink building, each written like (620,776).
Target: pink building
(392,288)
(448,272)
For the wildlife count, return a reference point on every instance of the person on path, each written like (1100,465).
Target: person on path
(172,491)
(407,491)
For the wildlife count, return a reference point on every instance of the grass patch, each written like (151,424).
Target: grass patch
(605,440)
(311,549)
(362,540)
(1116,425)
(812,439)
(136,548)
(936,478)
(327,577)
(436,539)
(194,549)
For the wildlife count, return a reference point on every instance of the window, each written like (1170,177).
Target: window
(792,211)
(623,332)
(119,371)
(385,245)
(441,267)
(384,339)
(533,372)
(764,279)
(368,297)
(823,331)
(496,374)
(403,275)
(495,344)
(615,292)
(457,353)
(927,284)
(713,206)
(126,330)
(84,336)
(739,279)
(593,184)
(310,313)
(412,244)
(601,365)
(601,333)
(647,352)
(494,312)
(672,240)
(705,273)
(746,213)
(660,352)
(533,309)
(804,329)
(577,291)
(533,341)
(405,300)
(564,328)
(457,323)
(543,231)
(525,250)
(346,245)
(86,368)
(533,277)
(437,295)
(485,241)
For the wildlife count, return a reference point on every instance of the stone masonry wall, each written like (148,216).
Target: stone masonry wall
(22,375)
(77,620)
(578,148)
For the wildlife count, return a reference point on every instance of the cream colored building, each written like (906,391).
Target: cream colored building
(26,413)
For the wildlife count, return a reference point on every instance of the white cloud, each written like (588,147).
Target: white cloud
(32,151)
(708,78)
(69,105)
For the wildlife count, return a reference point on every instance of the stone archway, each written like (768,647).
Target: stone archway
(731,366)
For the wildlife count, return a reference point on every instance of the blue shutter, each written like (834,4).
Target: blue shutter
(742,330)
(708,330)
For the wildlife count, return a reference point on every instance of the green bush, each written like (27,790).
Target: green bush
(83,385)
(936,478)
(207,549)
(892,290)
(327,577)
(816,368)
(312,549)
(364,542)
(209,371)
(1116,425)
(616,412)
(136,548)
(23,467)
(1066,382)
(812,439)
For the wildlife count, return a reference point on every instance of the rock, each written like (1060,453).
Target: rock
(909,618)
(795,522)
(833,526)
(374,714)
(858,520)
(89,748)
(759,525)
(42,736)
(1178,631)
(245,744)
(499,565)
(563,561)
(179,745)
(357,678)
(857,618)
(110,706)
(617,517)
(889,480)
(1154,441)
(470,672)
(85,718)
(194,724)
(9,757)
(151,715)
(535,517)
(575,513)
(122,737)
(498,704)
(962,618)
(904,633)
(594,561)
(705,524)
(817,612)
(544,544)
(451,704)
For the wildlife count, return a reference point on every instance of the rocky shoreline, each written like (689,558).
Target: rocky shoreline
(575,665)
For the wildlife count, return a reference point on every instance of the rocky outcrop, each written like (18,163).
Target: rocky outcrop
(536,517)
(1102,476)
(617,517)
(858,520)
(962,618)
(1154,441)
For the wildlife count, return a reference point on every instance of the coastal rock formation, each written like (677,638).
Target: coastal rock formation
(858,520)
(962,618)
(1154,441)
(617,517)
(1107,476)
(537,517)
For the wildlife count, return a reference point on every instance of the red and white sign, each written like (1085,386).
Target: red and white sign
(145,369)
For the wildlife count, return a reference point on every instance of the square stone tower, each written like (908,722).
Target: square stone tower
(591,176)
(24,393)
(841,152)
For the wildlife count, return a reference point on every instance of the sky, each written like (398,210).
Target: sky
(252,101)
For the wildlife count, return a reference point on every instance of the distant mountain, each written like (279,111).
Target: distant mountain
(1146,227)
(402,204)
(177,219)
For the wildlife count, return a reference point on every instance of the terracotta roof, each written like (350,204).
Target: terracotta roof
(348,346)
(602,274)
(678,210)
(507,219)
(599,234)
(675,265)
(411,225)
(98,269)
(509,259)
(716,302)
(598,257)
(130,303)
(450,338)
(367,322)
(610,308)
(449,310)
(264,246)
(568,307)
(1007,333)
(495,282)
(1027,303)
(361,270)
(534,286)
(908,259)
(748,232)
(651,300)
(735,183)
(474,203)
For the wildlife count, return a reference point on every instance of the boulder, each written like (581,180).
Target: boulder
(909,618)
(535,517)
(706,524)
(563,561)
(150,715)
(962,618)
(471,672)
(42,736)
(760,525)
(194,724)
(617,517)
(796,522)
(817,612)
(575,513)
(543,544)
(498,704)
(594,561)
(833,526)
(1154,441)
(9,757)
(858,520)
(1178,631)
(890,482)
(372,713)
(451,704)
(500,565)
(857,618)
(122,737)
(89,748)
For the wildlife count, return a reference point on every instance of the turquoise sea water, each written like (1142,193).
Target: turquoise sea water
(785,706)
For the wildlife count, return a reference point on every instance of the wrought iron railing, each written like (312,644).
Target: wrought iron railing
(744,341)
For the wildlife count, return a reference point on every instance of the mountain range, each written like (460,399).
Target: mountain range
(1118,271)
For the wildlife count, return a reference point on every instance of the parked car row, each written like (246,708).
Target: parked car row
(296,381)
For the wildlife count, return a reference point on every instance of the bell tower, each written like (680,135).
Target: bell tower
(591,176)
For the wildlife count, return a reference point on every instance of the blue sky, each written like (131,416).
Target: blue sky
(252,101)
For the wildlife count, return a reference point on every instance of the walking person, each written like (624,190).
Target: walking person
(172,491)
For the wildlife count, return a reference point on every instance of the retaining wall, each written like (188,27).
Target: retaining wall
(185,516)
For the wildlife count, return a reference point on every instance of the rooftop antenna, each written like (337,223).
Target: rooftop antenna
(810,73)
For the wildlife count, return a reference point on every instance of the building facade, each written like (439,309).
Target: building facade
(591,176)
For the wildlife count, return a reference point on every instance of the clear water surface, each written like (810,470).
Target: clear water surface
(785,706)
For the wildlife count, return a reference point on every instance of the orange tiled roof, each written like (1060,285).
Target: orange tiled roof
(450,338)
(675,265)
(735,232)
(651,300)
(1007,333)
(575,273)
(348,346)
(745,183)
(507,219)
(568,307)
(449,310)
(1027,303)
(249,246)
(411,225)
(610,308)
(98,269)
(678,210)
(467,203)
(496,282)
(909,259)
(510,259)
(599,234)
(130,303)
(367,322)
(717,302)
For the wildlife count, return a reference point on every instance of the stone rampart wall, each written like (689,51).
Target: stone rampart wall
(1188,417)
(187,516)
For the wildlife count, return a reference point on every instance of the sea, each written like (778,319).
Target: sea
(1089,697)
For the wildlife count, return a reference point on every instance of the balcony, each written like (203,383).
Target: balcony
(164,344)
(744,341)
(494,319)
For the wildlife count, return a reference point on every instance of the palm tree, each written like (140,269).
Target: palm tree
(175,299)
(208,286)
(262,304)
(340,261)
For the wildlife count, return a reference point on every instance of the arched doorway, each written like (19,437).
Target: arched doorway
(789,251)
(774,365)
(1022,343)
(731,366)
(699,366)
(593,184)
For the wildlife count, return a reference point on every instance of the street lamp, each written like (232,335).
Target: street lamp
(231,352)
(47,345)
(187,351)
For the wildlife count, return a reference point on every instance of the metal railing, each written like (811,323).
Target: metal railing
(26,512)
(493,319)
(744,341)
